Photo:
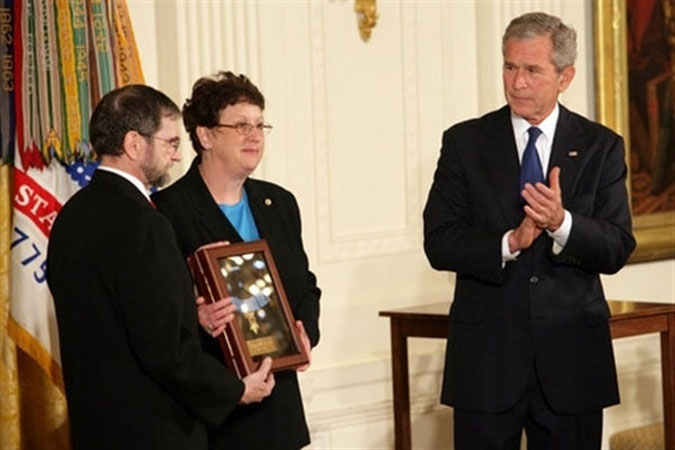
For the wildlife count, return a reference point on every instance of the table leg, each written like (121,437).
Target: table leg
(668,380)
(399,364)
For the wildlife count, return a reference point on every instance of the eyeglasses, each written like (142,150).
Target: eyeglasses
(173,143)
(245,128)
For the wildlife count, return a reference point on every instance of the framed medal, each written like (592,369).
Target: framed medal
(264,323)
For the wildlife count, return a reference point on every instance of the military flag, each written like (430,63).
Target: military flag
(62,56)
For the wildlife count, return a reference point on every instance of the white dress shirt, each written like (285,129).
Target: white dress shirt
(543,146)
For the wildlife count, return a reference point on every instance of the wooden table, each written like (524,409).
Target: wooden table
(431,321)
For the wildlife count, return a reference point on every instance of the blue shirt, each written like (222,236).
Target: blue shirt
(241,217)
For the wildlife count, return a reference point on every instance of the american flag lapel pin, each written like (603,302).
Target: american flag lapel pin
(573,153)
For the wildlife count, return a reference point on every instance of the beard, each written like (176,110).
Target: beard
(161,181)
(157,177)
(156,173)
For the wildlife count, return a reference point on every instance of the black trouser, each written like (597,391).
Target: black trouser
(545,429)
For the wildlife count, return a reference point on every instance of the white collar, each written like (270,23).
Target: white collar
(547,126)
(129,177)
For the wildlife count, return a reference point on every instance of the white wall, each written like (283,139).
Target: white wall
(356,138)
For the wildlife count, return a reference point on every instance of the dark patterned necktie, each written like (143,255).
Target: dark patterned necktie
(530,169)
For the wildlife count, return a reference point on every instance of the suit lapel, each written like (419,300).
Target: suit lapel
(567,152)
(500,156)
(211,218)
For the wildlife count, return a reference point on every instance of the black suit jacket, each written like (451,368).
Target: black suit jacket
(278,422)
(542,311)
(135,374)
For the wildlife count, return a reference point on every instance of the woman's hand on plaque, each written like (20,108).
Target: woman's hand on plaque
(214,316)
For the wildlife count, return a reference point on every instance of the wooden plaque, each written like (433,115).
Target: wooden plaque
(264,323)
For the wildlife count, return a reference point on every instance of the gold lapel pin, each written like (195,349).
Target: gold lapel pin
(268,201)
(573,153)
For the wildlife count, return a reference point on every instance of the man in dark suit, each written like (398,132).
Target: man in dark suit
(529,344)
(135,374)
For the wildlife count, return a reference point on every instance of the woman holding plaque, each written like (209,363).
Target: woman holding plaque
(217,201)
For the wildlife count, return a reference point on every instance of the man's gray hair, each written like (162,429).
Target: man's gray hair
(535,24)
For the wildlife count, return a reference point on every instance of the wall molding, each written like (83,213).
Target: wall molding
(333,246)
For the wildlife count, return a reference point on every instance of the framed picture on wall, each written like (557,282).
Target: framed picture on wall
(264,323)
(635,96)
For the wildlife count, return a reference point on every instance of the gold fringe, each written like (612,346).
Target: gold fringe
(44,412)
(32,347)
(10,427)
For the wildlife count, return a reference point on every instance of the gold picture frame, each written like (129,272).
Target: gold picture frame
(655,232)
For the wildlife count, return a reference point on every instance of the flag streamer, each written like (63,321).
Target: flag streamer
(62,56)
(7,125)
